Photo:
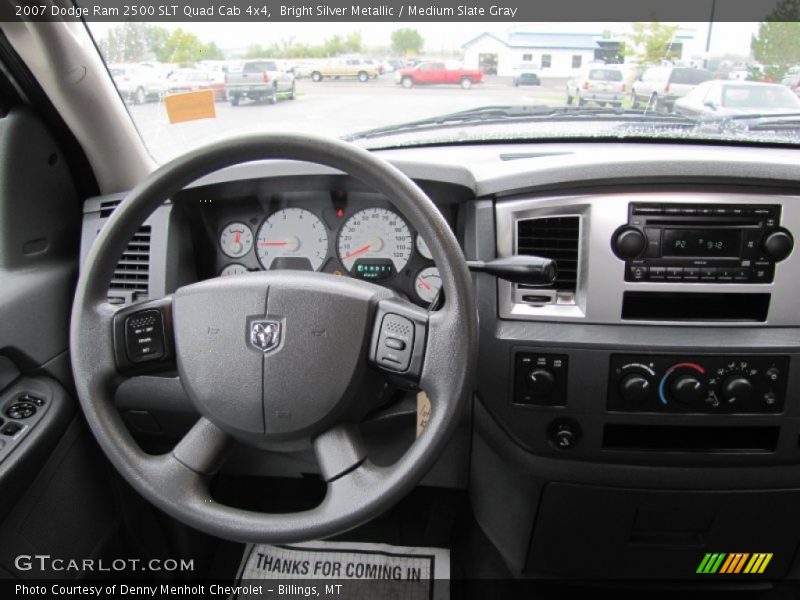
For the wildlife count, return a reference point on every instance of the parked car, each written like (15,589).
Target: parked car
(600,84)
(792,82)
(660,87)
(189,80)
(302,70)
(526,77)
(720,98)
(138,83)
(258,80)
(345,68)
(437,72)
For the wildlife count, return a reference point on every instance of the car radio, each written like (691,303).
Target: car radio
(707,243)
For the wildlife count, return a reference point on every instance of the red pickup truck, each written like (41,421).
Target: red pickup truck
(428,73)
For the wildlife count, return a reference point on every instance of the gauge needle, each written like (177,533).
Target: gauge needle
(273,243)
(236,236)
(357,251)
(425,284)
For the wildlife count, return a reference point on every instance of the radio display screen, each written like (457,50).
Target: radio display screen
(701,242)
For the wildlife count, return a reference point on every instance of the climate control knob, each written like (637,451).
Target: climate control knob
(737,389)
(687,389)
(777,244)
(635,389)
(628,242)
(541,383)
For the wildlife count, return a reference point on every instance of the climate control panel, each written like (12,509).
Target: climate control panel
(697,384)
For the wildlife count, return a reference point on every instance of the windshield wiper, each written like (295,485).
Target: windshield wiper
(511,113)
(788,121)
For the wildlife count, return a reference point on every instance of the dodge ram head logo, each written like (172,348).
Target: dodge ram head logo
(265,335)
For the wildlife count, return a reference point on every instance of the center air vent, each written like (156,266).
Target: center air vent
(556,238)
(107,207)
(131,280)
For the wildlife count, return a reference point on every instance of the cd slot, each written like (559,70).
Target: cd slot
(691,306)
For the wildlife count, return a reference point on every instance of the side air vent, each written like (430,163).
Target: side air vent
(556,238)
(132,276)
(107,207)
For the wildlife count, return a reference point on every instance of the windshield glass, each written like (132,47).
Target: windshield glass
(389,84)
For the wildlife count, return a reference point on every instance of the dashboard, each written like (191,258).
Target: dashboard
(659,369)
(329,226)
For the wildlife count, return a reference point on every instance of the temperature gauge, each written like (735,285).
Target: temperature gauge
(233,269)
(427,284)
(236,240)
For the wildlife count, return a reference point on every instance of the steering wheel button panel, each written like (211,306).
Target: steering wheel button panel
(144,336)
(396,342)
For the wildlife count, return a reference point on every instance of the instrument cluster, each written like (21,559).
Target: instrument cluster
(373,243)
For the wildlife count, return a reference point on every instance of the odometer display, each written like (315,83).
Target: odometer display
(375,233)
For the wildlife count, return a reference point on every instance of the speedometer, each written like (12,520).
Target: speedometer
(292,238)
(375,243)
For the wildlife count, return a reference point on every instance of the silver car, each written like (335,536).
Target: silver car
(660,87)
(601,84)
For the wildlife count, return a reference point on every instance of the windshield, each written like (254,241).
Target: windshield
(390,84)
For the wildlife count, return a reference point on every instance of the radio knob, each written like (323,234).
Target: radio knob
(737,389)
(687,389)
(629,242)
(635,389)
(777,244)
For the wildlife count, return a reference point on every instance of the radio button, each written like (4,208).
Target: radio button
(657,273)
(725,274)
(691,273)
(762,274)
(708,273)
(742,274)
(674,273)
(637,273)
(653,248)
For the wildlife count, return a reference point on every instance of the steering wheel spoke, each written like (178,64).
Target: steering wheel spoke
(143,337)
(204,448)
(399,340)
(339,450)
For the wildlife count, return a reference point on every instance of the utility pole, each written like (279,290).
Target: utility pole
(710,29)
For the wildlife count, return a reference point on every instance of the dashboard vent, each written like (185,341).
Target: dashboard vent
(556,238)
(107,207)
(131,280)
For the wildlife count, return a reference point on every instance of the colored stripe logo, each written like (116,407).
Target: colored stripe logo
(734,563)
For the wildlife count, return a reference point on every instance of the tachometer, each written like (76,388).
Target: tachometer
(292,238)
(375,243)
(236,240)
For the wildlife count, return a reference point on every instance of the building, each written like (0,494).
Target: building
(561,54)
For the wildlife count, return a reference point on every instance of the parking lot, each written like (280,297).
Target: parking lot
(334,108)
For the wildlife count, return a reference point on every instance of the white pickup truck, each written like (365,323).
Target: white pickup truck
(258,80)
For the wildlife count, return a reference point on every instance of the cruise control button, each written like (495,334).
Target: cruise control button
(395,344)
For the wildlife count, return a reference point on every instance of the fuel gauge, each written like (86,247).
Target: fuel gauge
(427,284)
(236,240)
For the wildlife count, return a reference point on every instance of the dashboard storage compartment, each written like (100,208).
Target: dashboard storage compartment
(603,533)
(690,306)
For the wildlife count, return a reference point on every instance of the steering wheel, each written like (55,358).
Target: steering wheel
(276,357)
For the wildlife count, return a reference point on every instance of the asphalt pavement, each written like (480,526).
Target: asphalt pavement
(333,108)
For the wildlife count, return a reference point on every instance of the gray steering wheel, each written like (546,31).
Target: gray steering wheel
(276,357)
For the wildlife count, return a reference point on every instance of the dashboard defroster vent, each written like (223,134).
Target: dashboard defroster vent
(131,280)
(556,238)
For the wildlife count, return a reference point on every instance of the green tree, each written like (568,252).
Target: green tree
(777,45)
(125,43)
(407,41)
(651,43)
(157,38)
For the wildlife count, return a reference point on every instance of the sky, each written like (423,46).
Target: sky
(726,38)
